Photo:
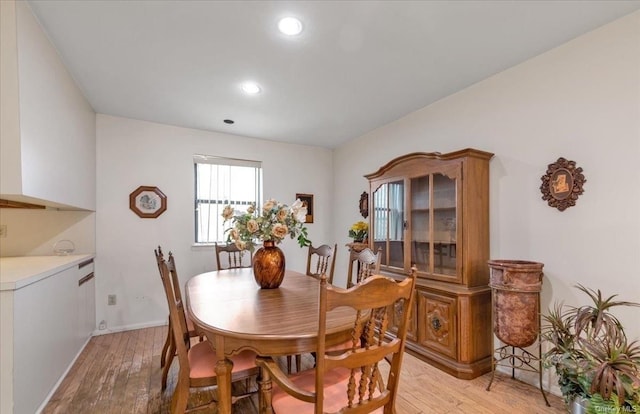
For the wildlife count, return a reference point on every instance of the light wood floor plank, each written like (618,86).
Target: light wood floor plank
(120,373)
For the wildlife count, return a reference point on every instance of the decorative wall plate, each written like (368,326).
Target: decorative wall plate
(562,184)
(148,202)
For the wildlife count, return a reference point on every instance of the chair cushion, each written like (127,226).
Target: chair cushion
(335,392)
(203,359)
(343,347)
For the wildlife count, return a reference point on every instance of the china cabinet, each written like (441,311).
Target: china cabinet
(431,210)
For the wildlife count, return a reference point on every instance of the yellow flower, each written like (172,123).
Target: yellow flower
(359,230)
(360,226)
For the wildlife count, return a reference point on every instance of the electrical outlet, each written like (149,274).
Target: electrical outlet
(103,325)
(111,300)
(3,231)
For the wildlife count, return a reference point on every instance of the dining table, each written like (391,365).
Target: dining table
(235,314)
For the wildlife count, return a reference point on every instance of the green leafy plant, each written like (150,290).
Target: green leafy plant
(591,354)
(273,222)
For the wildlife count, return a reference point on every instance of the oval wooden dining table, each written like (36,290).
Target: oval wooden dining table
(235,314)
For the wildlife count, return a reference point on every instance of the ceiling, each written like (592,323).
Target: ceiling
(356,66)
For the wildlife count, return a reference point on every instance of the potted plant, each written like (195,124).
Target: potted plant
(598,368)
(358,231)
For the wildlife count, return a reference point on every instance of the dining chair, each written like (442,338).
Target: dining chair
(348,380)
(198,361)
(322,260)
(365,262)
(169,347)
(229,256)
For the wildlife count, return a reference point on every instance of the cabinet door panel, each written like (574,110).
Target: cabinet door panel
(437,325)
(420,223)
(388,223)
(396,317)
(445,219)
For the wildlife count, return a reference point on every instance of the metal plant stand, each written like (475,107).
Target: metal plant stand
(515,293)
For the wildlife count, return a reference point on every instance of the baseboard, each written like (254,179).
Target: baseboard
(133,327)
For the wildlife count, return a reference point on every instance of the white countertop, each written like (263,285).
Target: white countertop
(18,272)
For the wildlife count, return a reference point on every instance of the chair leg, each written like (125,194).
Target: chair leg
(288,364)
(170,355)
(180,398)
(165,347)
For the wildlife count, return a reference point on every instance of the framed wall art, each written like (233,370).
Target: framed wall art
(307,201)
(363,205)
(562,184)
(147,201)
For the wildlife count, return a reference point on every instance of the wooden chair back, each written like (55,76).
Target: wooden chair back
(363,264)
(228,256)
(351,376)
(197,361)
(322,260)
(177,316)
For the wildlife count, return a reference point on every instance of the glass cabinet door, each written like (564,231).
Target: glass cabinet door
(444,225)
(389,223)
(419,220)
(432,224)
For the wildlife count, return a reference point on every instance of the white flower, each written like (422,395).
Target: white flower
(299,211)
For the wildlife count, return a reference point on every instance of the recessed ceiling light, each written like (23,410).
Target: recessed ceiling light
(290,26)
(251,88)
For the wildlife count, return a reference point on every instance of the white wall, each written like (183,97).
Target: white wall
(133,153)
(580,101)
(34,232)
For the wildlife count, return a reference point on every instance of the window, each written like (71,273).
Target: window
(221,182)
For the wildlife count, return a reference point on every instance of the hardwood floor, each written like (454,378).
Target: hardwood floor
(120,373)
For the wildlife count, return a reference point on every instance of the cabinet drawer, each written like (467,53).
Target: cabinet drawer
(437,322)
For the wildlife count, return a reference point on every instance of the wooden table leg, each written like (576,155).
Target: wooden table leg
(264,392)
(223,371)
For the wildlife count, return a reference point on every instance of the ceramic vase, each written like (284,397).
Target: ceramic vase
(268,266)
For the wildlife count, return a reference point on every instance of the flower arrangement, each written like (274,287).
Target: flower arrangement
(359,230)
(272,223)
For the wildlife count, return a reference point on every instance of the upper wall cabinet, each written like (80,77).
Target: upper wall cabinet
(48,129)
